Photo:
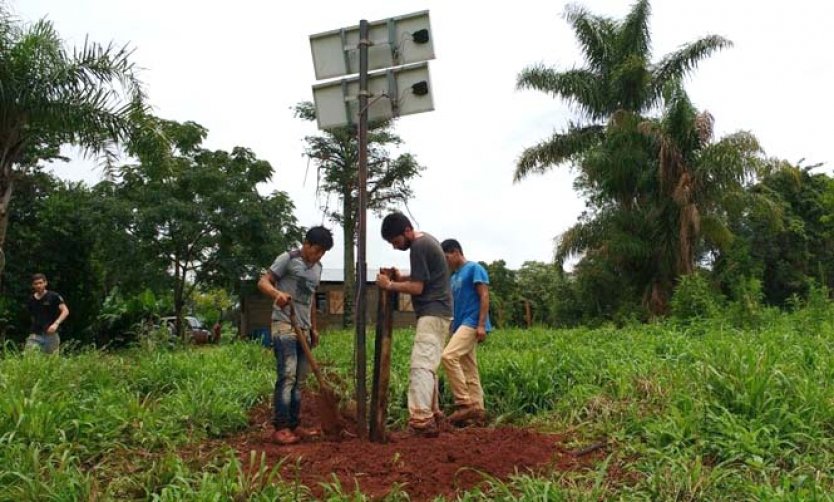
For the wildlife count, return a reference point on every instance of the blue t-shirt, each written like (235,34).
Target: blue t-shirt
(465,299)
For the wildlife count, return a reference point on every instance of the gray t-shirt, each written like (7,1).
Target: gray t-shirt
(428,264)
(299,279)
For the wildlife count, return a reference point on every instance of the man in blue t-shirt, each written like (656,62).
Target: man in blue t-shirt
(470,299)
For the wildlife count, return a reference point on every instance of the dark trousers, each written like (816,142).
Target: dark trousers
(291,368)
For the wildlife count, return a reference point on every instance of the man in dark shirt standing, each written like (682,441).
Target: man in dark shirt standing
(47,310)
(428,285)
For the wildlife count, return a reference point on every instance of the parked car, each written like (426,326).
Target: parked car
(194,329)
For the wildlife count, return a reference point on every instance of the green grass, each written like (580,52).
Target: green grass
(692,412)
(61,416)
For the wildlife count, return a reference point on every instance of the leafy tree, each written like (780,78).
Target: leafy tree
(787,244)
(123,319)
(212,304)
(505,302)
(547,290)
(200,211)
(603,292)
(335,154)
(51,97)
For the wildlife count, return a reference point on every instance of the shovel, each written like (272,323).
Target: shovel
(327,400)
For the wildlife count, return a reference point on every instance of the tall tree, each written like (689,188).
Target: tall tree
(336,158)
(200,211)
(631,173)
(50,97)
(619,77)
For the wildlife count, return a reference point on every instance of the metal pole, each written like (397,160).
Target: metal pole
(362,266)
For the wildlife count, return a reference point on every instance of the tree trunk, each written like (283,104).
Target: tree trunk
(179,290)
(6,189)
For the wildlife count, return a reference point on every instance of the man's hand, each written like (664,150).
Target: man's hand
(383,281)
(480,333)
(52,329)
(314,338)
(282,299)
(395,273)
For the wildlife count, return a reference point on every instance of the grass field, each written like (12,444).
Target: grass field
(702,410)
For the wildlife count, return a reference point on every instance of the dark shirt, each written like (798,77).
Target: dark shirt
(44,311)
(428,264)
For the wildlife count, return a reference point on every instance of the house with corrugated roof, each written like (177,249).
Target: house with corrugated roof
(256,308)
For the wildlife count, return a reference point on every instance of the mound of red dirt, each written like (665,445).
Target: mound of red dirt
(458,459)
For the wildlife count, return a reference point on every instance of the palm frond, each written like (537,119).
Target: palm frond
(594,33)
(578,86)
(629,84)
(576,240)
(732,161)
(90,98)
(560,148)
(635,37)
(678,64)
(715,231)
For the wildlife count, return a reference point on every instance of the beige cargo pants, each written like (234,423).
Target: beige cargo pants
(461,365)
(423,399)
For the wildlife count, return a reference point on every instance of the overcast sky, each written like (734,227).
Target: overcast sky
(238,67)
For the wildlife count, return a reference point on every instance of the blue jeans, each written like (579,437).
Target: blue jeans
(48,344)
(292,367)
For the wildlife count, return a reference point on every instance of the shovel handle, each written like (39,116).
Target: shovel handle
(305,347)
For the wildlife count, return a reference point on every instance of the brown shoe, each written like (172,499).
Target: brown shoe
(284,437)
(463,414)
(306,432)
(479,418)
(429,430)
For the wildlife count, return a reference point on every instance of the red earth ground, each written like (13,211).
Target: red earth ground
(457,460)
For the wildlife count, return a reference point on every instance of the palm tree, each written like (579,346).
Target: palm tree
(702,186)
(646,214)
(700,181)
(676,212)
(619,77)
(50,97)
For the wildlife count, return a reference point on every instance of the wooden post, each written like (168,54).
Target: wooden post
(382,366)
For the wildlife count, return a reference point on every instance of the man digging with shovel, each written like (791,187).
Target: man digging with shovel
(293,277)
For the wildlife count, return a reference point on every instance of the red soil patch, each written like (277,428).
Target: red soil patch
(423,467)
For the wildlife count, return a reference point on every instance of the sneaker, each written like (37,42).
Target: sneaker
(284,437)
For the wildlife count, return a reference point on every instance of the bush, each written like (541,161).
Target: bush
(694,299)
